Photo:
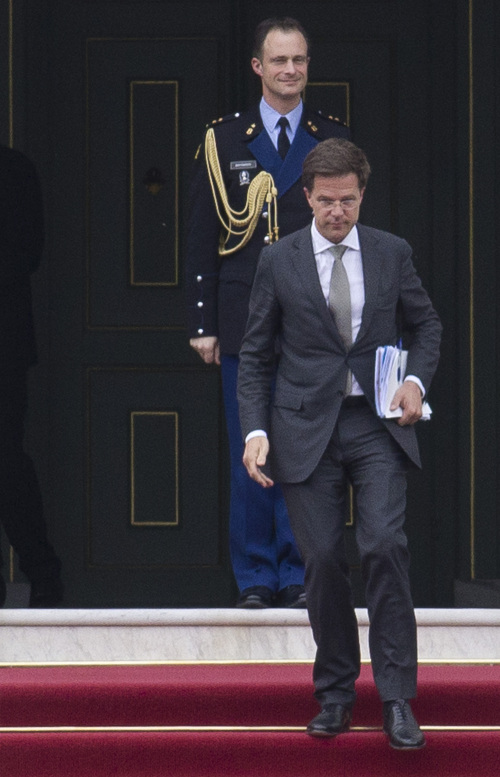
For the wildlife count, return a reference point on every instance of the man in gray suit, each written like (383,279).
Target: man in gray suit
(330,294)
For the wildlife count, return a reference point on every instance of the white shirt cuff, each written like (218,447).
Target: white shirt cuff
(256,433)
(416,380)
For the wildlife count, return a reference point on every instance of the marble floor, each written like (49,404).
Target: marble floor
(129,635)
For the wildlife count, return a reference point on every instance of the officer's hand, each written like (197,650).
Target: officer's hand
(254,457)
(409,397)
(207,348)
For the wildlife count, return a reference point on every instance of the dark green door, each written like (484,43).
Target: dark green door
(132,438)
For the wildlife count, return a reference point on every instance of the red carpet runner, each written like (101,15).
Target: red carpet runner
(243,720)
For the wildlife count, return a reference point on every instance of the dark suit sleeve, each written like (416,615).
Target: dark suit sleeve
(258,351)
(421,322)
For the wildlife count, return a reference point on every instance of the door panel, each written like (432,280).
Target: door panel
(140,430)
(145,506)
(138,94)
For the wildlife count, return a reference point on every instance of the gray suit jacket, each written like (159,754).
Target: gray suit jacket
(287,302)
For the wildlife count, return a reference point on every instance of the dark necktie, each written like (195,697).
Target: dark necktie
(283,141)
(340,302)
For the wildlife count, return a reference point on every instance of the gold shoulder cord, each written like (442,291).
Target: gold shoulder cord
(240,223)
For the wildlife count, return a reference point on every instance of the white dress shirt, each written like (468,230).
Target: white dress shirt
(354,269)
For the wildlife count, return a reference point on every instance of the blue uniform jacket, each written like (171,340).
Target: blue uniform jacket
(218,288)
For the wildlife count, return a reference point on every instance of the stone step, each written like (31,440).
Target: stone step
(136,635)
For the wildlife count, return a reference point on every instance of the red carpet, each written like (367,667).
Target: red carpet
(228,695)
(249,754)
(235,695)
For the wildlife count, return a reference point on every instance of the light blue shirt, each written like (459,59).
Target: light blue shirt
(270,119)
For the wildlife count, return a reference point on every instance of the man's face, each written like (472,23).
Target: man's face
(283,67)
(335,202)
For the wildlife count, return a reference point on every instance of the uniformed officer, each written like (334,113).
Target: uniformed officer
(246,192)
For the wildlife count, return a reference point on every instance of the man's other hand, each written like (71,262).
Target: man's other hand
(409,398)
(254,457)
(207,348)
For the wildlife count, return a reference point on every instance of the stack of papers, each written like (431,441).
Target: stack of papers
(390,369)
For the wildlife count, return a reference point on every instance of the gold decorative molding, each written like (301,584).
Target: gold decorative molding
(133,85)
(11,72)
(125,327)
(213,729)
(231,662)
(471,300)
(153,413)
(10,91)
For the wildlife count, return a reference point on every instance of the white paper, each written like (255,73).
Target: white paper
(390,369)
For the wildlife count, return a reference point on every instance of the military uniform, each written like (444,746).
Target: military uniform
(263,550)
(219,289)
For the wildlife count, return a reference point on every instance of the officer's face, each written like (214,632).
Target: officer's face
(335,202)
(282,68)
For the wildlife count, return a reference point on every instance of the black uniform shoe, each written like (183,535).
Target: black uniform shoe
(401,727)
(258,597)
(46,593)
(332,720)
(293,596)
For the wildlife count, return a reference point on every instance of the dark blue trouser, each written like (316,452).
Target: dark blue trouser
(263,549)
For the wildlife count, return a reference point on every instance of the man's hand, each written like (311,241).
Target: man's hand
(207,348)
(254,457)
(409,397)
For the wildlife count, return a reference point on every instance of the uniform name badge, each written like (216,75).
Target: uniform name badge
(245,164)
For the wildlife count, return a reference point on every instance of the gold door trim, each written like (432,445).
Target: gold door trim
(346,85)
(471,303)
(133,282)
(163,413)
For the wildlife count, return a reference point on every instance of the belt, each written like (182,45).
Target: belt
(358,400)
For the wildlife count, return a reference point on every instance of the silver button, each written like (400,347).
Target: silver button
(267,240)
(200,331)
(200,304)
(199,278)
(265,214)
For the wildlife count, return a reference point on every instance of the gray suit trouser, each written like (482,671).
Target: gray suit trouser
(361,451)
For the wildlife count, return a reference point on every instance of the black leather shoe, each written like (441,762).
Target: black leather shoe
(258,597)
(46,593)
(332,720)
(293,596)
(401,727)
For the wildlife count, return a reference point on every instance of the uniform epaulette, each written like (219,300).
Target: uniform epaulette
(331,118)
(223,119)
